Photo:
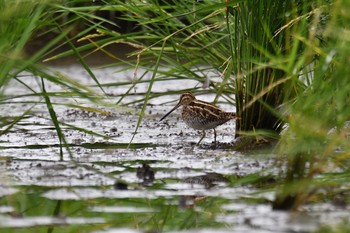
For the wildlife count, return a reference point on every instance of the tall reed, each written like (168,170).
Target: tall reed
(263,57)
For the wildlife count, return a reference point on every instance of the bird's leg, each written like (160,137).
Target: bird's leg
(203,135)
(214,136)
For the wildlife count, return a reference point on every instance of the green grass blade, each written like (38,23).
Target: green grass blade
(54,119)
(148,93)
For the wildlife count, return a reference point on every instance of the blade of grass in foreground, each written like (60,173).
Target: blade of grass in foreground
(53,118)
(148,92)
(86,66)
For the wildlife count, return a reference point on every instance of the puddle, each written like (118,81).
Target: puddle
(161,181)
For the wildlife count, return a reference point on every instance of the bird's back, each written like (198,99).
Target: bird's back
(202,115)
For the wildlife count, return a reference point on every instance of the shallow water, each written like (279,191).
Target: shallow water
(103,185)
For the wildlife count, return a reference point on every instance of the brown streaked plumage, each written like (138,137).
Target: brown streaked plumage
(201,115)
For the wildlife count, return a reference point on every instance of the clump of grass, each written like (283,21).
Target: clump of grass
(18,21)
(264,57)
(316,143)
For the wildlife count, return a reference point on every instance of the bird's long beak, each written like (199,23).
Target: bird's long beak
(174,108)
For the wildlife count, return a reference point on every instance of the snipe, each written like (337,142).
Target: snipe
(201,115)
